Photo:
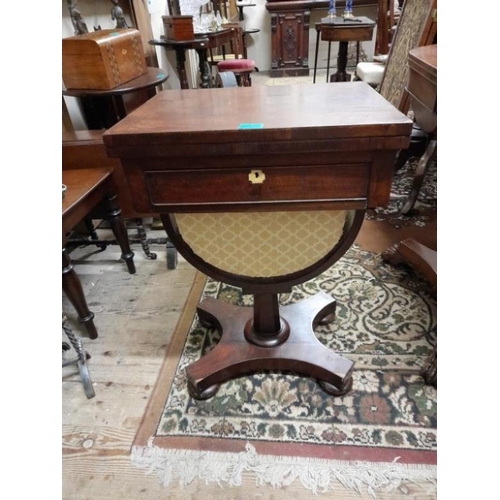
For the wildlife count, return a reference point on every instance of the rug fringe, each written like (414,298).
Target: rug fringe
(317,475)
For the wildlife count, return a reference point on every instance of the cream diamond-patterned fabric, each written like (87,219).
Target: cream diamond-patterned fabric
(262,244)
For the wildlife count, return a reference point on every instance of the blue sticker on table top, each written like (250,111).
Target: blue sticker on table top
(246,126)
(159,75)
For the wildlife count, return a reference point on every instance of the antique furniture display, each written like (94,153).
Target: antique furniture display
(290,33)
(86,189)
(342,30)
(263,194)
(84,149)
(202,42)
(103,108)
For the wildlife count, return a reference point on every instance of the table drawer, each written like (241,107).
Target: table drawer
(347,34)
(171,188)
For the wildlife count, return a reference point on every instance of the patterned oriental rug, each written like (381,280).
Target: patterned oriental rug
(283,427)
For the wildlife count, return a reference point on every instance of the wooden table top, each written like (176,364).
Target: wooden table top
(79,183)
(210,39)
(340,22)
(259,114)
(424,60)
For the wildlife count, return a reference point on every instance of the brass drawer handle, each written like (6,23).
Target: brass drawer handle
(256,176)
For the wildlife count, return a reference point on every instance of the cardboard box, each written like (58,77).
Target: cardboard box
(103,59)
(178,28)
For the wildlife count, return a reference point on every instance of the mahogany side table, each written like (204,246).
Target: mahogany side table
(85,190)
(338,29)
(263,194)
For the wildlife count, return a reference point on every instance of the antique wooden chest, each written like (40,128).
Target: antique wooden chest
(178,28)
(102,59)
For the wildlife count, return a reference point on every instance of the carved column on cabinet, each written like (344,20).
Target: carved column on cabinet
(290,43)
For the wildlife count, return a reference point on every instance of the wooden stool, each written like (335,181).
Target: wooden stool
(238,64)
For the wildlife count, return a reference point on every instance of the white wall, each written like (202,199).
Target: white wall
(259,44)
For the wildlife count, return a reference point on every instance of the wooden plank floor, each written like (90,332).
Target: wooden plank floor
(125,361)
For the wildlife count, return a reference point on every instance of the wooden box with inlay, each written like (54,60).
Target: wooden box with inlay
(178,28)
(103,59)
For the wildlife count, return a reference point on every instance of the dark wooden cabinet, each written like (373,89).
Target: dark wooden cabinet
(290,33)
(290,43)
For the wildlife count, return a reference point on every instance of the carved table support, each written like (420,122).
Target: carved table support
(298,350)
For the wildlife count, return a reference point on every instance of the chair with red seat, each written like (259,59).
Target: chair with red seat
(234,69)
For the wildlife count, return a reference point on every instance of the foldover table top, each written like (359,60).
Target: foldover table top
(260,114)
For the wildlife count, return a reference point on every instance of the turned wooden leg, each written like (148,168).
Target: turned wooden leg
(180,56)
(120,231)
(296,350)
(341,74)
(72,287)
(205,69)
(316,55)
(92,232)
(143,238)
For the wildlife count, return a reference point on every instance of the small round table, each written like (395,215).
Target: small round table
(202,42)
(338,29)
(104,108)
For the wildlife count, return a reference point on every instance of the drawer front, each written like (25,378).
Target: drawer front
(171,188)
(348,34)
